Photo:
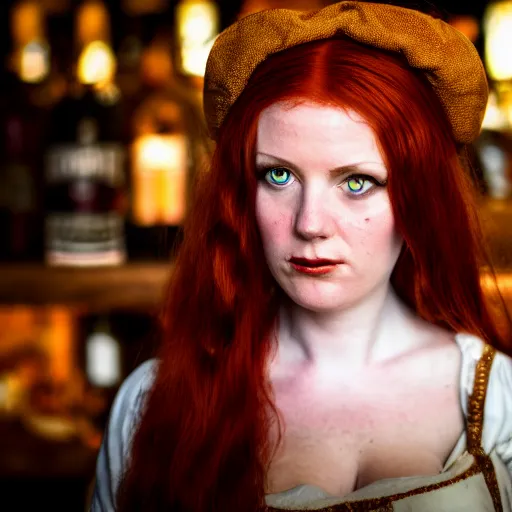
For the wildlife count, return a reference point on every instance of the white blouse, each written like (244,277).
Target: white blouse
(469,482)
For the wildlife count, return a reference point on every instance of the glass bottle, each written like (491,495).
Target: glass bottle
(25,100)
(168,147)
(85,160)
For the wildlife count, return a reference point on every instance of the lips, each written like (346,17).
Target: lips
(319,262)
(315,267)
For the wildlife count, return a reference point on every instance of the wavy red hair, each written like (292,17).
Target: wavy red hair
(202,444)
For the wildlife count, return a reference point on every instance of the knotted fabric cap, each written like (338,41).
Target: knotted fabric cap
(448,59)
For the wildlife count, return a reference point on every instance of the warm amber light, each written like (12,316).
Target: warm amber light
(31,57)
(495,116)
(159,179)
(156,64)
(60,345)
(92,22)
(156,151)
(497,23)
(26,22)
(96,64)
(194,59)
(198,26)
(35,62)
(467,25)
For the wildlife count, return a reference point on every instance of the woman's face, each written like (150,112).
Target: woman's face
(322,195)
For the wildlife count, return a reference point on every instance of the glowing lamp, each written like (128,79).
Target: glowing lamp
(197,28)
(497,23)
(96,64)
(159,179)
(35,62)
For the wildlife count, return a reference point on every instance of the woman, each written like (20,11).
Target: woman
(327,342)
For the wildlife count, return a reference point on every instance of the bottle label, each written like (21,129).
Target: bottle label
(100,162)
(85,239)
(83,224)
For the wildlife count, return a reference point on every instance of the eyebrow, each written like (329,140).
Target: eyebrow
(334,173)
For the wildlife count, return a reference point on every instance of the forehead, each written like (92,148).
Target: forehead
(311,130)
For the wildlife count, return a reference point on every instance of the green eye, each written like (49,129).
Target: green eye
(278,176)
(359,185)
(356,184)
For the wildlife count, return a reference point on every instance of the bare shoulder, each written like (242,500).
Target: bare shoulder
(437,357)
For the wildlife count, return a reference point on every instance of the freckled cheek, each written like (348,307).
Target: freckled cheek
(274,228)
(273,223)
(375,234)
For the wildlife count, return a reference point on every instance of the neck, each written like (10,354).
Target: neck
(377,329)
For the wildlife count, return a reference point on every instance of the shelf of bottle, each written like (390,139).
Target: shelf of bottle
(133,286)
(136,286)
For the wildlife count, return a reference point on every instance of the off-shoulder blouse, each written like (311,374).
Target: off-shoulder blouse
(477,476)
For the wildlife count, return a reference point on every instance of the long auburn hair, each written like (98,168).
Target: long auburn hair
(202,444)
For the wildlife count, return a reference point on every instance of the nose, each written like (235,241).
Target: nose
(313,219)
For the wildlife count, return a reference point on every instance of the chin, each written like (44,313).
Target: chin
(323,301)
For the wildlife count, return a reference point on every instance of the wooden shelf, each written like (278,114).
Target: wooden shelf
(137,286)
(133,286)
(496,219)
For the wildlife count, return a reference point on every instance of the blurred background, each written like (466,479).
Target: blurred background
(101,135)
